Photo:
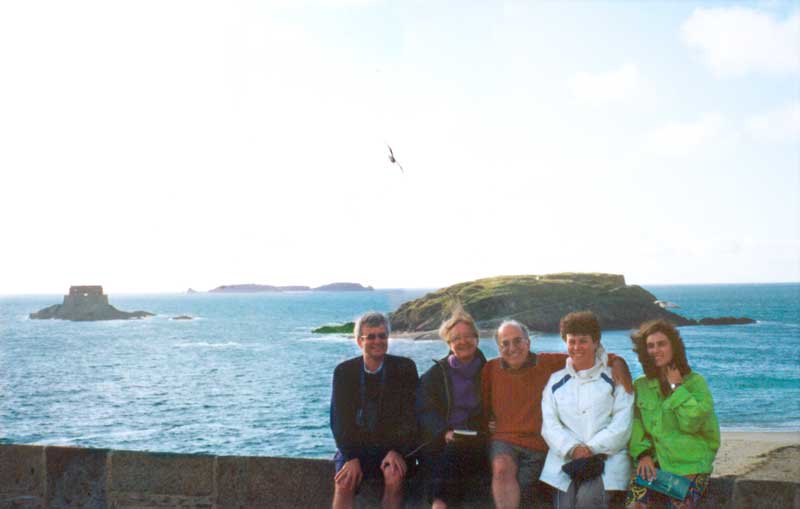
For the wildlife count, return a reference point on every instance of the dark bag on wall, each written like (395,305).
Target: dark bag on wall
(585,468)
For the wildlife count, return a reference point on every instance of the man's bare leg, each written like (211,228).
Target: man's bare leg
(438,503)
(343,498)
(392,489)
(345,484)
(505,487)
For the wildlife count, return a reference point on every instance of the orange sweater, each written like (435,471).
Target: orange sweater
(514,399)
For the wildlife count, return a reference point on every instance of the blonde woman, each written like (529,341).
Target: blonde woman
(449,401)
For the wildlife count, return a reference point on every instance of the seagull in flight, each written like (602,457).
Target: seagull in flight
(393,160)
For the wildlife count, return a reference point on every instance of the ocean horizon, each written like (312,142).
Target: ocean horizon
(411,290)
(247,376)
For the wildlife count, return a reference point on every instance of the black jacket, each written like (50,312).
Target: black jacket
(396,426)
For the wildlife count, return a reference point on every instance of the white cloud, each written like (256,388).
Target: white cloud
(679,139)
(737,40)
(617,85)
(682,138)
(779,125)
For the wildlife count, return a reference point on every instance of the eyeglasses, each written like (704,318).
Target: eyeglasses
(468,337)
(373,337)
(508,343)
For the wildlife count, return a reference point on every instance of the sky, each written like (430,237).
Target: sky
(154,146)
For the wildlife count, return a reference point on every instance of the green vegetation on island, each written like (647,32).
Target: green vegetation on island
(538,301)
(345,328)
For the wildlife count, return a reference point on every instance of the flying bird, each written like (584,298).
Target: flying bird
(393,160)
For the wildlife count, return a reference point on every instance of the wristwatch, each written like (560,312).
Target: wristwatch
(674,386)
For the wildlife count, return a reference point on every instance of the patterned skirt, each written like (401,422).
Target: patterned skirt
(640,497)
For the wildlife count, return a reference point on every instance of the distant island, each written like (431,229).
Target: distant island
(255,288)
(85,303)
(343,287)
(539,302)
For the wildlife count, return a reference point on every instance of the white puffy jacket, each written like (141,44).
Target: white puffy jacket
(585,408)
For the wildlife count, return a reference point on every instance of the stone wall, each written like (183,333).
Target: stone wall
(56,477)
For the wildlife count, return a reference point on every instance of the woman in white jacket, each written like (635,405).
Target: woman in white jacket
(584,415)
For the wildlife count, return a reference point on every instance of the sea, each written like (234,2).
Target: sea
(247,376)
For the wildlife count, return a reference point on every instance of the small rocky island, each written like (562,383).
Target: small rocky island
(344,328)
(539,302)
(85,303)
(343,287)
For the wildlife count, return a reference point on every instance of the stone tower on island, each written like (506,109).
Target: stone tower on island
(85,295)
(86,303)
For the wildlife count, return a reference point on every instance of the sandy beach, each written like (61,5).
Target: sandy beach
(759,455)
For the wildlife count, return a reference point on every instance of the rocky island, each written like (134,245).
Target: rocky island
(344,328)
(85,303)
(725,320)
(538,301)
(255,288)
(343,287)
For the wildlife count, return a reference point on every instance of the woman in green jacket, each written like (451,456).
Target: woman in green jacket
(675,428)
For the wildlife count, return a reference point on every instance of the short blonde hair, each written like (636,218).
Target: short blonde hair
(458,316)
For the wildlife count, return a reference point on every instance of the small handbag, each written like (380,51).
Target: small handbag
(583,469)
(676,486)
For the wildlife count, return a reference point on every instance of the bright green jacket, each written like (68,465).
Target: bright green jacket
(680,431)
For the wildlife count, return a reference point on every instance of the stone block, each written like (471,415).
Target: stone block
(22,481)
(719,494)
(278,483)
(141,479)
(76,477)
(232,482)
(755,494)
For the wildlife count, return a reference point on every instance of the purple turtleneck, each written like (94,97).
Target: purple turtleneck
(465,390)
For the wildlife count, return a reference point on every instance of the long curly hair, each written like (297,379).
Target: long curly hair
(639,339)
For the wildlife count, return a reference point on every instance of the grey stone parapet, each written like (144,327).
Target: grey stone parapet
(55,477)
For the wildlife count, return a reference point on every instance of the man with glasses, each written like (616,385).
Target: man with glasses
(372,415)
(512,399)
